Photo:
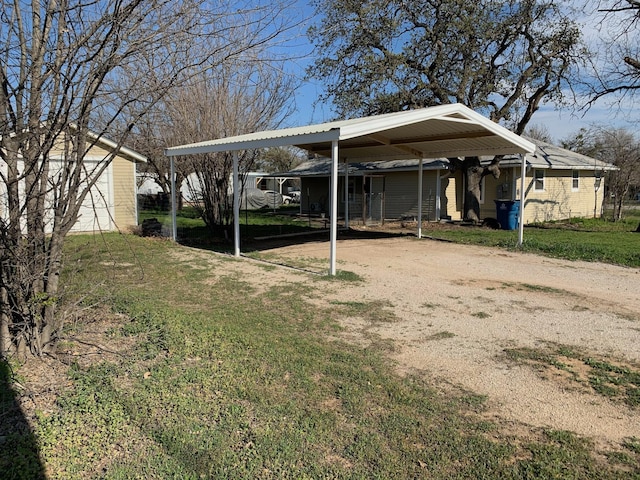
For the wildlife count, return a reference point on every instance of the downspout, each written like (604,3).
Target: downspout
(236,206)
(523,172)
(174,225)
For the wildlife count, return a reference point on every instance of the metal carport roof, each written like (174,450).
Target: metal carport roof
(435,132)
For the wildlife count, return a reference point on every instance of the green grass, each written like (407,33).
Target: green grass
(618,380)
(579,239)
(588,239)
(191,228)
(221,383)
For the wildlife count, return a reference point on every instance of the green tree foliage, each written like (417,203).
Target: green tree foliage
(500,57)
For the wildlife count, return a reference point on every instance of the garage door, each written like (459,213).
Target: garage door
(94,214)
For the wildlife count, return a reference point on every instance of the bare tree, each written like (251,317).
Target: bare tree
(248,94)
(621,148)
(539,132)
(149,139)
(73,72)
(501,57)
(280,159)
(618,147)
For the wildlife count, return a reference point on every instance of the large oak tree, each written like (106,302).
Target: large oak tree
(500,57)
(618,67)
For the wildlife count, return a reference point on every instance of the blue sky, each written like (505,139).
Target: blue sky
(560,123)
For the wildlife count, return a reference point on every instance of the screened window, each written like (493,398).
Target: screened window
(575,181)
(538,180)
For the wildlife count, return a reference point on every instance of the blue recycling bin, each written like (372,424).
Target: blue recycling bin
(507,213)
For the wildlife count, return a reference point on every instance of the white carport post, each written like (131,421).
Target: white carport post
(438,191)
(420,198)
(236,206)
(174,208)
(346,193)
(333,235)
(523,172)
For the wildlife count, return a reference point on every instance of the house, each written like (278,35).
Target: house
(559,183)
(111,204)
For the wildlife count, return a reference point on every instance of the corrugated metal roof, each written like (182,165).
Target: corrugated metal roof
(558,158)
(322,167)
(546,156)
(434,132)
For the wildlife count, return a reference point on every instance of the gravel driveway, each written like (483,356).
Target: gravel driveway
(459,307)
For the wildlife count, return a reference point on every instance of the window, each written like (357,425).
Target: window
(575,181)
(538,180)
(482,189)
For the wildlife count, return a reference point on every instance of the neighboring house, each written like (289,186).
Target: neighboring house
(559,183)
(111,204)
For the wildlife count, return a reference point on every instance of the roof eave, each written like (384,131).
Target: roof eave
(249,142)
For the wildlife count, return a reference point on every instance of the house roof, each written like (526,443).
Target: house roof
(558,158)
(435,132)
(322,167)
(125,152)
(546,156)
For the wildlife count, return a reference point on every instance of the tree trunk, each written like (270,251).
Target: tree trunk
(472,194)
(474,172)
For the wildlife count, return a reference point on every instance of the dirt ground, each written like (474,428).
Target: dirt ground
(458,308)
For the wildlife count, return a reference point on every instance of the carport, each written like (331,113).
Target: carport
(443,131)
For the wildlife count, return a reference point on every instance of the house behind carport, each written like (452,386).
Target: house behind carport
(377,190)
(560,184)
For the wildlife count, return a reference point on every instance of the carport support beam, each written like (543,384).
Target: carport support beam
(523,173)
(346,193)
(236,206)
(333,235)
(174,207)
(420,199)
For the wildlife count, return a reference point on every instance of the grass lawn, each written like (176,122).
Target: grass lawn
(203,379)
(191,229)
(577,239)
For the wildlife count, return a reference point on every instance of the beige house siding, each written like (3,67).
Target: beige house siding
(401,195)
(559,200)
(122,194)
(125,210)
(115,205)
(451,201)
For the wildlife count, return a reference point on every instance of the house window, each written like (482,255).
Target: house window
(538,180)
(482,189)
(575,181)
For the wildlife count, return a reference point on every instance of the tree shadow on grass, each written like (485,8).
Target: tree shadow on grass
(19,453)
